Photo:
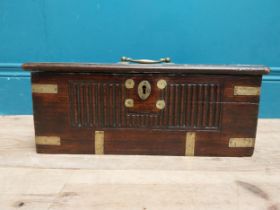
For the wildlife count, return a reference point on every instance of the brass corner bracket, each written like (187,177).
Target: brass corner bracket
(47,140)
(44,88)
(241,142)
(246,91)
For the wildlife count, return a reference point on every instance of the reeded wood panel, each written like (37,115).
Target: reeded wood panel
(196,106)
(94,104)
(101,104)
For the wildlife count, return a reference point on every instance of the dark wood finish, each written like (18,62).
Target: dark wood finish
(147,68)
(91,98)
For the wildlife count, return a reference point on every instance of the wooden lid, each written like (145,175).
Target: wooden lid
(146,68)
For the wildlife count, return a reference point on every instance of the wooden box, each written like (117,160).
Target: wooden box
(145,109)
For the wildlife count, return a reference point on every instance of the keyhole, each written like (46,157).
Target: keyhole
(144,89)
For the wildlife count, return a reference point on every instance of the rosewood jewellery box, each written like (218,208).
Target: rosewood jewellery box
(145,107)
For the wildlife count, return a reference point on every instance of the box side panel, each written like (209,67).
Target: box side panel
(51,117)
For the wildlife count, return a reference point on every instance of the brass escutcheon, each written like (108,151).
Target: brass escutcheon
(144,89)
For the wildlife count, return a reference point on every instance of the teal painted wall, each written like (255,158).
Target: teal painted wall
(188,31)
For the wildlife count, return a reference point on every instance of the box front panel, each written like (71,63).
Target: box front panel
(187,105)
(144,113)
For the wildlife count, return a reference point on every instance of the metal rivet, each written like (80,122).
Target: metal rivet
(161,84)
(129,102)
(129,83)
(160,104)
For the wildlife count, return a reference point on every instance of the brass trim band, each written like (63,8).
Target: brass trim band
(47,140)
(190,143)
(246,91)
(44,88)
(99,142)
(241,142)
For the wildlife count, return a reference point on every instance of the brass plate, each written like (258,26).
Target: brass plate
(129,103)
(161,84)
(241,142)
(190,143)
(44,88)
(246,91)
(99,142)
(160,104)
(47,140)
(129,83)
(144,89)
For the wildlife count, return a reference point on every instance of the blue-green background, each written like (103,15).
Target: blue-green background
(188,31)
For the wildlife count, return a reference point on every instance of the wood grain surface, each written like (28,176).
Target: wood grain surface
(140,68)
(85,103)
(68,182)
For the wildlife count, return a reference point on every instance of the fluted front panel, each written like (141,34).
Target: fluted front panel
(188,106)
(94,104)
(195,106)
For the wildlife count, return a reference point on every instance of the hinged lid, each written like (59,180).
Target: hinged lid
(146,68)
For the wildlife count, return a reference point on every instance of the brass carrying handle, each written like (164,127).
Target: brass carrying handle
(146,61)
